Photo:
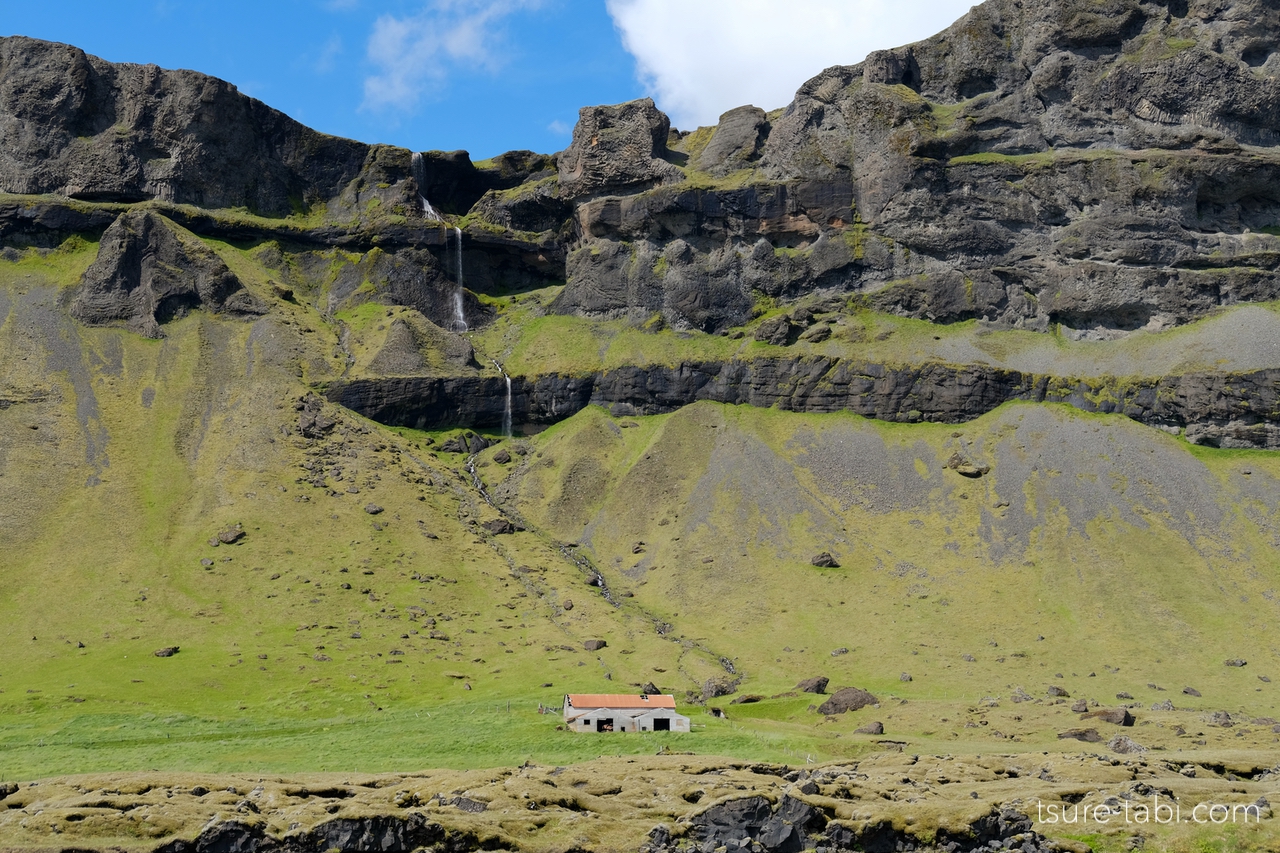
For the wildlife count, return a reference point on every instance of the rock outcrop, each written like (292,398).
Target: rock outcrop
(78,126)
(1223,410)
(148,273)
(1104,168)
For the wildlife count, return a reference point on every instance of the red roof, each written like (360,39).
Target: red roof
(620,700)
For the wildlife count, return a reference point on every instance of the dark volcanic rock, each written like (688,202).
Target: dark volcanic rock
(1086,735)
(75,125)
(166,652)
(1125,745)
(147,273)
(501,526)
(1115,716)
(795,825)
(817,684)
(875,728)
(847,699)
(949,180)
(1226,410)
(824,561)
(594,645)
(616,147)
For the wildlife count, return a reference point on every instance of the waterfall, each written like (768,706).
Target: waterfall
(419,170)
(459,317)
(506,409)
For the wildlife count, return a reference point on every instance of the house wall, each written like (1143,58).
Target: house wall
(628,720)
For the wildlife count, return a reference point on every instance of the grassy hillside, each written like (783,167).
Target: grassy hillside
(368,622)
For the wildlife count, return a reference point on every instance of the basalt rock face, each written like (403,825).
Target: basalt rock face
(1224,410)
(75,125)
(795,825)
(147,274)
(1105,167)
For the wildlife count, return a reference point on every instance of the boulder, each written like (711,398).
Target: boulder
(1080,706)
(231,535)
(1056,691)
(817,684)
(499,526)
(166,652)
(847,699)
(502,457)
(1125,745)
(1114,716)
(594,645)
(1190,691)
(372,509)
(776,330)
(1235,662)
(824,561)
(875,728)
(1086,735)
(721,686)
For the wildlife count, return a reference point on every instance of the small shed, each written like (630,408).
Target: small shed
(622,712)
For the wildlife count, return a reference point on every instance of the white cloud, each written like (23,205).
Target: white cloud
(560,128)
(699,59)
(418,51)
(325,61)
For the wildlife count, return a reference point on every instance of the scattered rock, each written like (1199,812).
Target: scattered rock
(1125,745)
(502,457)
(1190,691)
(824,561)
(568,604)
(747,699)
(372,509)
(847,699)
(722,686)
(648,689)
(840,651)
(1086,735)
(467,804)
(968,657)
(1123,695)
(166,652)
(875,728)
(1221,719)
(1166,705)
(776,330)
(1055,690)
(906,676)
(594,645)
(1235,662)
(817,684)
(231,535)
(1114,716)
(499,526)
(1080,706)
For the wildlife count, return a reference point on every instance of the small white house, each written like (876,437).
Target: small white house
(622,712)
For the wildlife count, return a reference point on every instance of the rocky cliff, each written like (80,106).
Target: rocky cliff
(1086,170)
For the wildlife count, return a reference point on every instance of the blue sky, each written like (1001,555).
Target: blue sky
(487,75)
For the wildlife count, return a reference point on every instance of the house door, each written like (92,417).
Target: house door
(604,725)
(661,724)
